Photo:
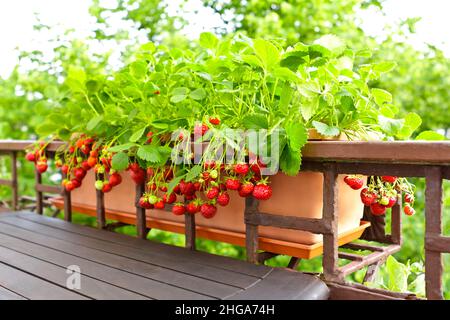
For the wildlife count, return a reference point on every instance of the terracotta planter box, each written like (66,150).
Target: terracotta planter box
(300,195)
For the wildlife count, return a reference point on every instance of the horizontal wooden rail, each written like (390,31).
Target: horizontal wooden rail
(289,222)
(438,243)
(4,182)
(48,189)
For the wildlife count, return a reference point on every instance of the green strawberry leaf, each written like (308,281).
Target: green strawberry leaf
(325,129)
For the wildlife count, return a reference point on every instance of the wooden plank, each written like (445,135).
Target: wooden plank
(170,263)
(57,275)
(330,243)
(119,278)
(34,288)
(362,246)
(197,285)
(6,294)
(433,228)
(150,246)
(285,285)
(288,222)
(339,291)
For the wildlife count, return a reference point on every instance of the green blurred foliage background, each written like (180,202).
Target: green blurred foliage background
(419,83)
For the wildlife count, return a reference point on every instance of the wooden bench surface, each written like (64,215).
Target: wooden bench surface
(35,252)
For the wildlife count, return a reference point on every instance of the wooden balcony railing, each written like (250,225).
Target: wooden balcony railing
(430,160)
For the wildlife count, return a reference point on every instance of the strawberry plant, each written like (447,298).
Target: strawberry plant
(143,117)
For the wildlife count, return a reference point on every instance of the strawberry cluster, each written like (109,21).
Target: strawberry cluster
(205,192)
(37,156)
(382,193)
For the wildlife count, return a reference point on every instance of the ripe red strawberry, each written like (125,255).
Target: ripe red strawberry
(177,190)
(408,210)
(377,209)
(71,149)
(134,166)
(30,156)
(160,205)
(187,188)
(390,179)
(115,179)
(138,176)
(368,197)
(200,129)
(192,207)
(212,192)
(223,199)
(92,161)
(208,210)
(197,186)
(79,143)
(69,186)
(85,165)
(169,199)
(149,137)
(246,189)
(93,153)
(354,182)
(178,209)
(79,173)
(392,202)
(232,184)
(241,168)
(65,169)
(214,121)
(41,166)
(76,183)
(262,191)
(85,149)
(409,198)
(143,202)
(190,197)
(107,187)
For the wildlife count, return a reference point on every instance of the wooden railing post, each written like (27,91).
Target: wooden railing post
(396,222)
(100,196)
(14,181)
(251,230)
(67,202)
(330,243)
(39,194)
(433,228)
(189,221)
(141,219)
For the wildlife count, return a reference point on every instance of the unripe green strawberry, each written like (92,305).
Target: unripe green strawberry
(153,199)
(213,174)
(79,159)
(101,169)
(384,201)
(99,184)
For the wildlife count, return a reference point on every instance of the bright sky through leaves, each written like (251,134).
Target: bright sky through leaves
(16,23)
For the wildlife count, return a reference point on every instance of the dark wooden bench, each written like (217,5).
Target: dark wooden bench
(35,252)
